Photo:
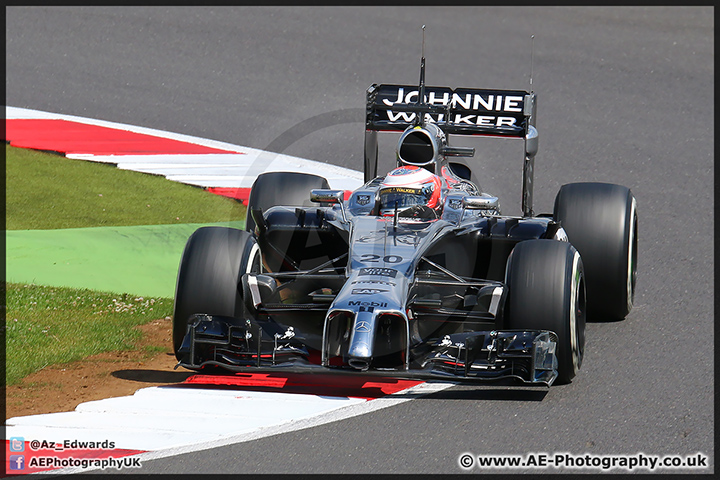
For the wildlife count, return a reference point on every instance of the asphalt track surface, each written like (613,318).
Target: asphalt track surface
(625,96)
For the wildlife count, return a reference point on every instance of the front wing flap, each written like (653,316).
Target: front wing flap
(526,355)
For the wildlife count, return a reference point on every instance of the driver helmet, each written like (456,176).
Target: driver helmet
(410,186)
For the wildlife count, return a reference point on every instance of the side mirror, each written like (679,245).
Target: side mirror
(480,203)
(330,197)
(327,196)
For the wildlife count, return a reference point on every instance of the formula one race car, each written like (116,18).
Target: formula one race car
(416,273)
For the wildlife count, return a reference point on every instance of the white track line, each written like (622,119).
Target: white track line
(158,418)
(344,409)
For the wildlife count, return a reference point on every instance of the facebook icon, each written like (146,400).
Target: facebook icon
(17,462)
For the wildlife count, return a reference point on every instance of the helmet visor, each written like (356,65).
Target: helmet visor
(403,197)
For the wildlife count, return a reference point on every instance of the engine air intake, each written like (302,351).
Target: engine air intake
(416,148)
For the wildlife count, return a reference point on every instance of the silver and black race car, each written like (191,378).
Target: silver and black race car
(417,273)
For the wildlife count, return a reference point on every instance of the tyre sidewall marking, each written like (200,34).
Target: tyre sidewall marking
(574,285)
(631,248)
(250,260)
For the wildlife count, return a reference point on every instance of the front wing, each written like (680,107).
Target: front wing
(240,345)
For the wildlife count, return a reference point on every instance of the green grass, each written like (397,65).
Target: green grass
(48,325)
(47,191)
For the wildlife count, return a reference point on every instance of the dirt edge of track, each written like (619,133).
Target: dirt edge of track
(61,388)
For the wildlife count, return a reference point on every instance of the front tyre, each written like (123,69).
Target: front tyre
(289,189)
(214,260)
(546,291)
(600,220)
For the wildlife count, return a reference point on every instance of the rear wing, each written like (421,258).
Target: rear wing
(464,111)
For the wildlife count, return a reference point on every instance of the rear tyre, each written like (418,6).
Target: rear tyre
(281,188)
(546,291)
(600,220)
(214,260)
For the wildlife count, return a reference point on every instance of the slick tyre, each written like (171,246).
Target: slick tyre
(600,220)
(214,260)
(281,188)
(546,291)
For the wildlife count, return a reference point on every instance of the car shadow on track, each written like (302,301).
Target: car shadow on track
(152,376)
(330,385)
(491,394)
